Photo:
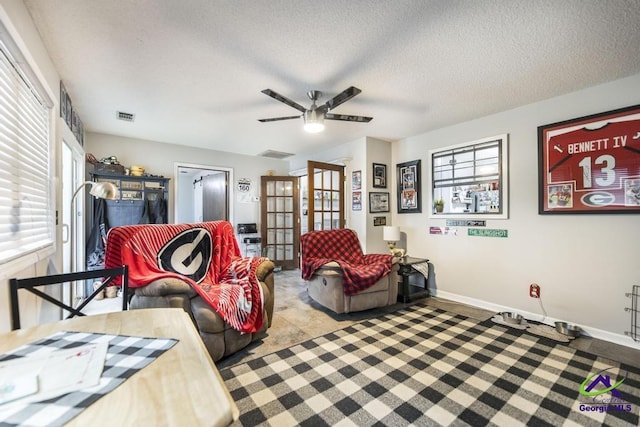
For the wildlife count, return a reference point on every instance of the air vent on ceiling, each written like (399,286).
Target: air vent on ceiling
(275,154)
(127,117)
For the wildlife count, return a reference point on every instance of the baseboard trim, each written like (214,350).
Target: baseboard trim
(591,332)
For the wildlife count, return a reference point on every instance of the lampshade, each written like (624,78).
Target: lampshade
(313,122)
(104,190)
(391,234)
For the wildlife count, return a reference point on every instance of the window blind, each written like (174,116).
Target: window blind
(26,205)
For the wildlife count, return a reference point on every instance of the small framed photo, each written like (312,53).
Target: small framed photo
(378,202)
(63,101)
(356,201)
(379,220)
(379,175)
(356,180)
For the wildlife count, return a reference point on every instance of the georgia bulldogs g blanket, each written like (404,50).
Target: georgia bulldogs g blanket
(206,255)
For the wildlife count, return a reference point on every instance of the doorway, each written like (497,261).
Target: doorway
(325,186)
(279,216)
(202,193)
(73,254)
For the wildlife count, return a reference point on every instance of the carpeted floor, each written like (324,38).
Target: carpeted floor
(427,366)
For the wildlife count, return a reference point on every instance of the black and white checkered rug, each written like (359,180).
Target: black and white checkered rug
(424,366)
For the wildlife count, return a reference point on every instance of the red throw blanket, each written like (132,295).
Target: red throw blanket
(342,246)
(206,255)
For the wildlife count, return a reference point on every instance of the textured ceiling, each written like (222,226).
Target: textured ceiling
(192,71)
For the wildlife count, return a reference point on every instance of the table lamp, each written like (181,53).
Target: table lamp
(391,235)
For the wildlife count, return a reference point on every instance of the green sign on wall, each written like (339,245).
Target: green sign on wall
(487,232)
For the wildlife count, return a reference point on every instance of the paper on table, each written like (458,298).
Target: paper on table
(19,384)
(58,372)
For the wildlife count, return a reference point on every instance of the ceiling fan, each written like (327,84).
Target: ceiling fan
(314,116)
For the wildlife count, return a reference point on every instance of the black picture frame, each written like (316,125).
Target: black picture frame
(63,101)
(591,164)
(379,175)
(379,221)
(378,202)
(409,196)
(69,112)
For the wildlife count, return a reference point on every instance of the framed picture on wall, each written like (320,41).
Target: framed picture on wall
(63,101)
(356,180)
(356,201)
(379,220)
(591,164)
(378,202)
(379,175)
(409,187)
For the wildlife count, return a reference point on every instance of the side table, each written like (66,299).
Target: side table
(412,284)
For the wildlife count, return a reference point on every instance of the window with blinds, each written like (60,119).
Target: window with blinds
(26,201)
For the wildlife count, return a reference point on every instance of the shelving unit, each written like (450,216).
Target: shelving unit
(135,192)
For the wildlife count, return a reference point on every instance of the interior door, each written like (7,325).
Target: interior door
(280,226)
(326,196)
(214,197)
(73,254)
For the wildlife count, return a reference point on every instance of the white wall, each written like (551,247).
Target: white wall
(132,151)
(377,152)
(584,264)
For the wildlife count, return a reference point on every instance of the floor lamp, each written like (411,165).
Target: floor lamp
(100,190)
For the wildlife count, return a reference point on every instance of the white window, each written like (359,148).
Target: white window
(26,201)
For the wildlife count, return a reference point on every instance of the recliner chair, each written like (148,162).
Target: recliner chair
(342,278)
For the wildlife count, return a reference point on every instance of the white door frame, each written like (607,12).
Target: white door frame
(72,176)
(230,191)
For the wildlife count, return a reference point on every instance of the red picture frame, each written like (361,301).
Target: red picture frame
(591,165)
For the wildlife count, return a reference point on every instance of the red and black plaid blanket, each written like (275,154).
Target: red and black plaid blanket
(206,255)
(342,246)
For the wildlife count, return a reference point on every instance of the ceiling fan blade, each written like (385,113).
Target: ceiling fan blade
(340,98)
(347,118)
(275,119)
(284,99)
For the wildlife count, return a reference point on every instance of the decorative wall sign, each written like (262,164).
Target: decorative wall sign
(379,175)
(591,164)
(244,185)
(487,232)
(409,187)
(378,202)
(466,223)
(443,230)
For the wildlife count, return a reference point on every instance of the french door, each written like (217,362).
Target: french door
(325,196)
(280,226)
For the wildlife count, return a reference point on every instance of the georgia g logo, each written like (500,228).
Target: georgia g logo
(188,254)
(597,199)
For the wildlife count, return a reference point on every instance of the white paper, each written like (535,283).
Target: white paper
(58,372)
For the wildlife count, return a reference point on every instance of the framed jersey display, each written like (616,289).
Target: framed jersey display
(591,164)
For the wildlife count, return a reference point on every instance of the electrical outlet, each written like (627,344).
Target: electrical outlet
(534,290)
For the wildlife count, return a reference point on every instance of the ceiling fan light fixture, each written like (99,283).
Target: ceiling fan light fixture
(313,122)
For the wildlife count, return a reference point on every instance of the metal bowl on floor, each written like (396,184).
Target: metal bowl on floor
(512,318)
(568,329)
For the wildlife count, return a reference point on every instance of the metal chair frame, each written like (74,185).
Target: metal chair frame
(30,284)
